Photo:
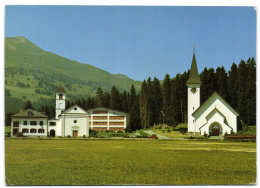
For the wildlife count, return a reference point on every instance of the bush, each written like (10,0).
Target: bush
(19,134)
(68,136)
(84,136)
(8,134)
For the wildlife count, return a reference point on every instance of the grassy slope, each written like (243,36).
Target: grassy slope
(120,162)
(21,53)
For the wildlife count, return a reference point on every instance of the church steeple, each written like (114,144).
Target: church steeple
(194,77)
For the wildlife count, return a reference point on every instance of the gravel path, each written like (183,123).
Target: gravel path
(158,135)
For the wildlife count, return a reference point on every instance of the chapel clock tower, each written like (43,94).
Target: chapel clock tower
(60,101)
(193,84)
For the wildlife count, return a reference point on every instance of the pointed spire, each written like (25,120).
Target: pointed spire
(60,89)
(194,77)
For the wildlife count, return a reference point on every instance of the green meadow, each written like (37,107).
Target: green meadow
(128,162)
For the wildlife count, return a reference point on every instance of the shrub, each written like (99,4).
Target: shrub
(19,134)
(84,136)
(68,136)
(8,134)
(205,134)
(225,134)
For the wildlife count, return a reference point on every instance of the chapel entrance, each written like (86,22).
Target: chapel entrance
(215,130)
(75,133)
(52,133)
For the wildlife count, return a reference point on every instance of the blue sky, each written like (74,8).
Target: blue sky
(139,42)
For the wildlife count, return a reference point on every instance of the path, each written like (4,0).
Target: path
(158,135)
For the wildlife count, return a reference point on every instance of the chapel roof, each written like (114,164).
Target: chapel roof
(194,77)
(30,114)
(60,89)
(218,95)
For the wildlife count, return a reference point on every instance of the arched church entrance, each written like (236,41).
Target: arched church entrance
(52,133)
(215,130)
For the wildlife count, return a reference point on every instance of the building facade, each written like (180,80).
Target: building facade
(103,119)
(30,123)
(73,122)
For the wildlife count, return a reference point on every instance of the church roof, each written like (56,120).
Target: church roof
(60,89)
(222,99)
(30,114)
(194,77)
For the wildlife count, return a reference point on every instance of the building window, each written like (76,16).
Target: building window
(24,122)
(32,130)
(60,96)
(16,124)
(75,121)
(30,114)
(52,123)
(33,122)
(40,130)
(75,108)
(41,122)
(25,130)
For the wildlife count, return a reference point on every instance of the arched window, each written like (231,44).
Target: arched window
(25,130)
(60,96)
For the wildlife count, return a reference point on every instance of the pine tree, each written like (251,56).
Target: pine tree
(251,92)
(167,101)
(157,101)
(99,97)
(143,105)
(242,93)
(28,105)
(134,122)
(221,82)
(115,101)
(232,85)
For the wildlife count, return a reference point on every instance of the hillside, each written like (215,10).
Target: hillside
(32,73)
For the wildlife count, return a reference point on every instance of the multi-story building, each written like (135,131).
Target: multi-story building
(102,119)
(30,123)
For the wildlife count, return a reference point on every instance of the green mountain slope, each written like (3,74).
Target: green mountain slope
(32,73)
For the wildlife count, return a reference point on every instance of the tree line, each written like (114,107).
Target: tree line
(166,100)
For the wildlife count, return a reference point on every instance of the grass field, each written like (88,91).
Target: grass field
(128,162)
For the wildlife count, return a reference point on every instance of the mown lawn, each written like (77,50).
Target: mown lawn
(128,162)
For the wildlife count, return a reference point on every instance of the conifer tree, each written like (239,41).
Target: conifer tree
(156,101)
(115,101)
(251,92)
(232,85)
(28,105)
(143,105)
(242,93)
(221,82)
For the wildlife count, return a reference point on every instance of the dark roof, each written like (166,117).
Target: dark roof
(30,114)
(215,92)
(60,89)
(194,77)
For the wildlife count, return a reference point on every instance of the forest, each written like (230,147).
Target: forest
(167,99)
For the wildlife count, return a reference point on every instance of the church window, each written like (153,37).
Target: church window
(52,123)
(41,122)
(75,108)
(24,122)
(30,114)
(75,121)
(32,130)
(25,130)
(33,122)
(40,130)
(60,96)
(16,124)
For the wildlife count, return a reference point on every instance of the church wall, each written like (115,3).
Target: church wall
(79,123)
(215,102)
(193,105)
(56,127)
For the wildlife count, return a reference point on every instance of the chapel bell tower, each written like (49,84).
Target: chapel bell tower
(60,101)
(193,84)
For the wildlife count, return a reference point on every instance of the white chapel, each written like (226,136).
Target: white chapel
(215,116)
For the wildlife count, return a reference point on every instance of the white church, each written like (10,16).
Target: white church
(215,116)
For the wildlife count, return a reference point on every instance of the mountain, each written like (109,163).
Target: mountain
(34,74)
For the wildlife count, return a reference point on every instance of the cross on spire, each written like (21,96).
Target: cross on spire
(193,48)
